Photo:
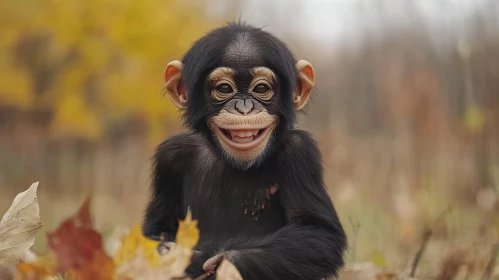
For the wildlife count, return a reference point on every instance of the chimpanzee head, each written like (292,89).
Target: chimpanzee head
(240,87)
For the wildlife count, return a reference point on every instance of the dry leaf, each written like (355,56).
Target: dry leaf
(132,242)
(227,271)
(177,260)
(179,257)
(41,268)
(379,260)
(474,118)
(139,268)
(188,232)
(386,276)
(79,248)
(100,267)
(20,225)
(75,241)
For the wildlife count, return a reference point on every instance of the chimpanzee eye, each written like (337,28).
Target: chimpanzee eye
(261,88)
(225,88)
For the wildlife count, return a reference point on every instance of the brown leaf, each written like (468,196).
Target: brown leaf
(100,267)
(79,248)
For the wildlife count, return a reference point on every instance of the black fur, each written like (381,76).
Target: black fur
(298,235)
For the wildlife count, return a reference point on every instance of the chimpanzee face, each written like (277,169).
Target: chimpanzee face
(246,119)
(242,94)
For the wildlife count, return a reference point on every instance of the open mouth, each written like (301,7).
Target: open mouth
(243,139)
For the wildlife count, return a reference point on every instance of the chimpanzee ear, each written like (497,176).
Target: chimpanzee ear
(306,78)
(173,84)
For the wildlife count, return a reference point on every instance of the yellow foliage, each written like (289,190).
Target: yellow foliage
(132,243)
(474,118)
(188,232)
(74,119)
(15,89)
(114,51)
(379,260)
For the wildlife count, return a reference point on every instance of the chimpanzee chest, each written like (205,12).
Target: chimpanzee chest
(229,208)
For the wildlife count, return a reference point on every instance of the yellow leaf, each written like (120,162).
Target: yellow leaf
(188,232)
(177,260)
(379,260)
(132,243)
(227,271)
(179,257)
(474,118)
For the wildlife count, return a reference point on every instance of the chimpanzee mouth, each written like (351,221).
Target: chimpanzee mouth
(243,139)
(242,136)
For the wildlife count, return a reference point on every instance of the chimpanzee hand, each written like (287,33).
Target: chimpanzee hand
(211,265)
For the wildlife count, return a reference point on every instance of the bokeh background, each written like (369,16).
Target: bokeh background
(406,109)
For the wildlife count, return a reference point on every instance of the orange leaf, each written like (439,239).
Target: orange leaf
(41,268)
(100,267)
(79,248)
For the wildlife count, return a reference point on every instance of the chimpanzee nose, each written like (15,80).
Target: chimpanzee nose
(244,106)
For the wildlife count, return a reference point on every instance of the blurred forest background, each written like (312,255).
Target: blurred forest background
(406,109)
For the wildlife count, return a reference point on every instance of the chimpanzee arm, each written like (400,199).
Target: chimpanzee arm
(172,158)
(312,244)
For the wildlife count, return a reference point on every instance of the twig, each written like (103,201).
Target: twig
(427,233)
(490,266)
(356,229)
(426,237)
(203,276)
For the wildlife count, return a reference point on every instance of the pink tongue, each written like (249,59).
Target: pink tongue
(238,139)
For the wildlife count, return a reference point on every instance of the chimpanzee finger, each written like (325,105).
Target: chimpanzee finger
(212,263)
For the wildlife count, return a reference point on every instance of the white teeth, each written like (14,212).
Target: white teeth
(243,133)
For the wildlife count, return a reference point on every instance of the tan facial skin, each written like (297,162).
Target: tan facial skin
(249,133)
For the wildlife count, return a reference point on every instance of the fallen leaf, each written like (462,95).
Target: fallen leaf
(100,267)
(474,118)
(188,232)
(75,241)
(19,225)
(179,257)
(79,248)
(386,276)
(227,271)
(42,267)
(130,245)
(379,260)
(177,260)
(139,268)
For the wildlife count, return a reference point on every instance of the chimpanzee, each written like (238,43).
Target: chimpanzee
(252,180)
